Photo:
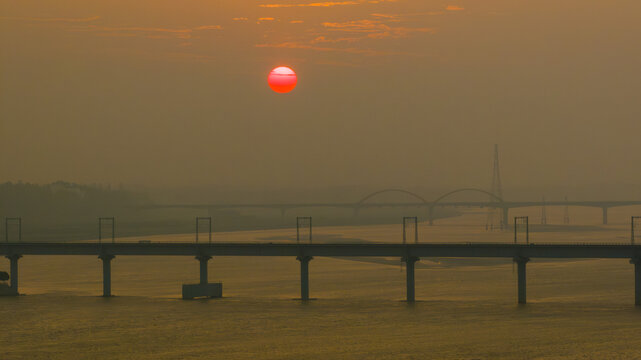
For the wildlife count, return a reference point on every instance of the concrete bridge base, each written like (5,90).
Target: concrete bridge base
(410,261)
(637,280)
(13,276)
(211,290)
(106,274)
(203,288)
(6,290)
(520,264)
(304,276)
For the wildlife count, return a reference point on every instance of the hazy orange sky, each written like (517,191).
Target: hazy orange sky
(399,93)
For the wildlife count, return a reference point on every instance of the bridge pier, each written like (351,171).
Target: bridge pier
(637,280)
(410,261)
(106,274)
(505,221)
(520,265)
(605,215)
(203,268)
(204,288)
(13,269)
(304,276)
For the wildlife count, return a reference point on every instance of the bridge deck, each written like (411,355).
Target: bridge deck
(397,250)
(498,204)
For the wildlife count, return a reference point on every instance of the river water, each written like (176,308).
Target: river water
(579,309)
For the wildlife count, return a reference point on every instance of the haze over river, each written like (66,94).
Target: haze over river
(466,309)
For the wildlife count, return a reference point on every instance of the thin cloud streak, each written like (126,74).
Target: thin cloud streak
(63,20)
(323,39)
(325,3)
(318,4)
(375,29)
(400,17)
(147,32)
(209,27)
(296,45)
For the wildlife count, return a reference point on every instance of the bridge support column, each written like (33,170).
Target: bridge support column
(106,274)
(203,268)
(13,269)
(410,261)
(304,276)
(505,220)
(520,264)
(605,215)
(637,280)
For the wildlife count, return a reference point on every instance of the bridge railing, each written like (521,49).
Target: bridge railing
(302,233)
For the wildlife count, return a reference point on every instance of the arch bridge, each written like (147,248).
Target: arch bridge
(499,200)
(494,202)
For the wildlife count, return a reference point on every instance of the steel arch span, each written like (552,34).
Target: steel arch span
(492,195)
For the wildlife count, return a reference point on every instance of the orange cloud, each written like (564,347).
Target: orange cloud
(240,19)
(326,3)
(209,27)
(355,25)
(266,19)
(323,39)
(375,29)
(454,8)
(296,22)
(318,4)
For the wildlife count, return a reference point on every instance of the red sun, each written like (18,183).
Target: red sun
(282,79)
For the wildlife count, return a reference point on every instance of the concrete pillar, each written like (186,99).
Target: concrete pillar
(14,271)
(520,264)
(430,215)
(304,276)
(106,274)
(637,280)
(605,215)
(203,268)
(505,221)
(409,274)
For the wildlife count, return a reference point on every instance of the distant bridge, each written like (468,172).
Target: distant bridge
(495,202)
(304,253)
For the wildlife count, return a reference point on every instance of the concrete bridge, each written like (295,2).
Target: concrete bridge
(409,253)
(493,202)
